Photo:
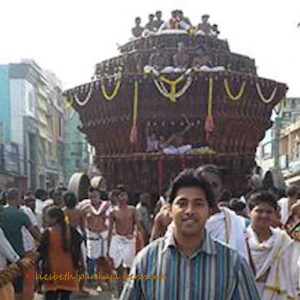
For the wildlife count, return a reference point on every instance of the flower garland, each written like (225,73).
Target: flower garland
(262,97)
(230,95)
(114,92)
(133,131)
(210,97)
(173,94)
(209,121)
(86,100)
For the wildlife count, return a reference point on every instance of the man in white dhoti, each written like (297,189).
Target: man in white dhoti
(96,212)
(286,203)
(272,252)
(121,246)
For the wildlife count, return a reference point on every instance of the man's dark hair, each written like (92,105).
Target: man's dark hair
(40,194)
(225,196)
(12,194)
(121,189)
(93,189)
(190,178)
(113,193)
(262,197)
(237,205)
(70,200)
(292,191)
(210,168)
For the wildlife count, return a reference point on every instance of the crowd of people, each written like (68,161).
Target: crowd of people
(177,21)
(197,242)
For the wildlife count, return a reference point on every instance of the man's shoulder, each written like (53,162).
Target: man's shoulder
(223,249)
(282,200)
(151,248)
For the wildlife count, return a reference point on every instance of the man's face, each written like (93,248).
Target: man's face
(94,197)
(158,15)
(262,216)
(137,22)
(123,198)
(205,19)
(215,182)
(190,210)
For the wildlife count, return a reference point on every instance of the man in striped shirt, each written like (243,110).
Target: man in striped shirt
(188,264)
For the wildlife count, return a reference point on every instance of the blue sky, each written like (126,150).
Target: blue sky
(70,37)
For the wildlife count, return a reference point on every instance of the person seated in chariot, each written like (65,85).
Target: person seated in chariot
(158,59)
(138,30)
(215,31)
(181,58)
(151,140)
(183,22)
(158,22)
(204,28)
(201,60)
(175,144)
(172,23)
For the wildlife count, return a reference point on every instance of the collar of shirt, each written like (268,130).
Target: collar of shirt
(207,246)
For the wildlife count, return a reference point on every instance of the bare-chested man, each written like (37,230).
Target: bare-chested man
(122,246)
(138,29)
(161,222)
(96,213)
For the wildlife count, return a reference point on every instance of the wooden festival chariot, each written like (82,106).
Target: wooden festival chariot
(228,108)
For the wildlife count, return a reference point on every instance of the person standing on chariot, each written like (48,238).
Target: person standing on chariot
(158,22)
(150,26)
(138,30)
(205,28)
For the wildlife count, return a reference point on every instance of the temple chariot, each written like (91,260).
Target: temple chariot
(174,98)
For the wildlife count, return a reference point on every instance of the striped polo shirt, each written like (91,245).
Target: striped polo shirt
(213,272)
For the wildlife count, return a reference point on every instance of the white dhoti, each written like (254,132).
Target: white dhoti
(276,269)
(96,244)
(177,150)
(122,250)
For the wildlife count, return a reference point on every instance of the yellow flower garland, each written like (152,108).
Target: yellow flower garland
(135,103)
(230,95)
(173,86)
(210,97)
(114,92)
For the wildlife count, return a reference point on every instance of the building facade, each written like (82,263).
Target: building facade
(281,145)
(31,124)
(77,152)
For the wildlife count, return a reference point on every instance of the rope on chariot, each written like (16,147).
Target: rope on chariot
(14,270)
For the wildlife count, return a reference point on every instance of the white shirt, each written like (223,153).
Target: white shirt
(28,240)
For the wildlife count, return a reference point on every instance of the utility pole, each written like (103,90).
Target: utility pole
(276,141)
